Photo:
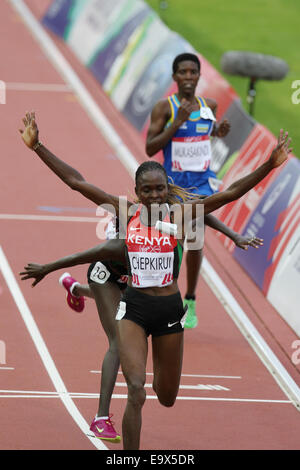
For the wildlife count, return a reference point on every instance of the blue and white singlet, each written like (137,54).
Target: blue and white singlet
(187,155)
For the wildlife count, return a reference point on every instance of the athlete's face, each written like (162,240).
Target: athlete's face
(152,188)
(187,76)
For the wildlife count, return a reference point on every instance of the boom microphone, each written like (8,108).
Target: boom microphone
(254,65)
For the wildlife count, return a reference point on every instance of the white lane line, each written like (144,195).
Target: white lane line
(187,375)
(48,218)
(212,376)
(40,87)
(7,368)
(36,394)
(185,387)
(263,351)
(42,348)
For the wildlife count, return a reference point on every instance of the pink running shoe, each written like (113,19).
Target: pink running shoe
(103,429)
(75,303)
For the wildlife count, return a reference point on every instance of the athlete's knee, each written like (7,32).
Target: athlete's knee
(136,392)
(165,397)
(113,346)
(166,400)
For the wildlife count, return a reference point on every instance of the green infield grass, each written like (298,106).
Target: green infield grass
(265,26)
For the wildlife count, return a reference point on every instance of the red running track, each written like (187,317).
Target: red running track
(228,399)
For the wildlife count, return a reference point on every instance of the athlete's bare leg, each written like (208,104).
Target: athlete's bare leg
(107,298)
(167,353)
(193,264)
(133,349)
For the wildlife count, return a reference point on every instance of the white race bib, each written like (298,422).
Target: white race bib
(99,273)
(191,153)
(121,310)
(150,269)
(206,113)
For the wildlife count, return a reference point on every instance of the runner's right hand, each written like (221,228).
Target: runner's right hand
(33,271)
(184,111)
(30,134)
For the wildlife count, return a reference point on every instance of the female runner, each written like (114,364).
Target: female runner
(152,302)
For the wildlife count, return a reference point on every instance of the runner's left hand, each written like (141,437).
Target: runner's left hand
(223,128)
(33,271)
(245,242)
(282,150)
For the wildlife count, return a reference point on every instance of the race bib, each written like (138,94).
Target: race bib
(191,153)
(99,273)
(121,310)
(206,113)
(151,269)
(183,318)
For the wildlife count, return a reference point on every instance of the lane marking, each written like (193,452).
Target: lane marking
(48,218)
(36,394)
(7,368)
(48,87)
(42,348)
(66,209)
(185,387)
(187,375)
(212,376)
(123,384)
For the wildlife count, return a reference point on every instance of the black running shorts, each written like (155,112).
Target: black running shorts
(158,315)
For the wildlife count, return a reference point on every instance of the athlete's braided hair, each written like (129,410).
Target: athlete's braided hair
(176,193)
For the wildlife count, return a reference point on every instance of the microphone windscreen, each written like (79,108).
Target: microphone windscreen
(254,65)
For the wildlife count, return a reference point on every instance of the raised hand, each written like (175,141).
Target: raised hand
(281,151)
(30,134)
(245,242)
(33,271)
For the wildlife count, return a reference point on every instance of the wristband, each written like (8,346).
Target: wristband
(166,227)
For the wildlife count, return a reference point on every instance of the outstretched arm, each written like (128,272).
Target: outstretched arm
(240,240)
(110,250)
(70,176)
(236,190)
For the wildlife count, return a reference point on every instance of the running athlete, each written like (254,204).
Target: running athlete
(107,269)
(181,126)
(106,280)
(152,303)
